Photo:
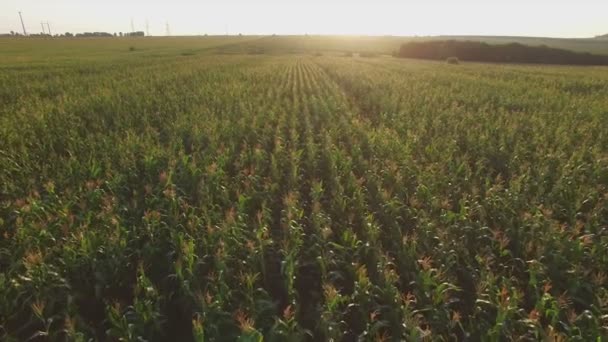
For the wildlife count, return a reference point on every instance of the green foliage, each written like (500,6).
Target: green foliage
(295,198)
(498,53)
(452,60)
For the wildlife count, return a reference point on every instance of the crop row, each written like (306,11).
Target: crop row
(297,198)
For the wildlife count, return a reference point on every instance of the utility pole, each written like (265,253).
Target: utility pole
(42,25)
(132,26)
(49,27)
(167,28)
(22,24)
(147,28)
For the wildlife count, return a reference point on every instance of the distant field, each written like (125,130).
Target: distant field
(388,44)
(87,50)
(242,188)
(41,50)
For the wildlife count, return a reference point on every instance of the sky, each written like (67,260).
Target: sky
(546,18)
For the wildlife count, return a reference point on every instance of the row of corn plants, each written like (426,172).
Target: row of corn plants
(295,198)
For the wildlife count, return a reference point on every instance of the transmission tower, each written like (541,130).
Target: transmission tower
(22,24)
(168,30)
(147,28)
(49,28)
(42,25)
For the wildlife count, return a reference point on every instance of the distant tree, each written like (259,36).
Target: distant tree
(120,34)
(505,53)
(94,34)
(114,34)
(135,34)
(452,60)
(12,33)
(68,34)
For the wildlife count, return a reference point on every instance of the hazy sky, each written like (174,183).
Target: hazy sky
(556,18)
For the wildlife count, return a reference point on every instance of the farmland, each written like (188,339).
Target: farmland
(186,189)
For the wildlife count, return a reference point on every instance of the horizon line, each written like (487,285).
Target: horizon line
(319,35)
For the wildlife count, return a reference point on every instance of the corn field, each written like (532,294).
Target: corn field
(211,197)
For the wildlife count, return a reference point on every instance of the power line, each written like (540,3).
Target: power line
(22,24)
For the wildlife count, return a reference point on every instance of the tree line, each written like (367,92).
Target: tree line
(78,35)
(502,53)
